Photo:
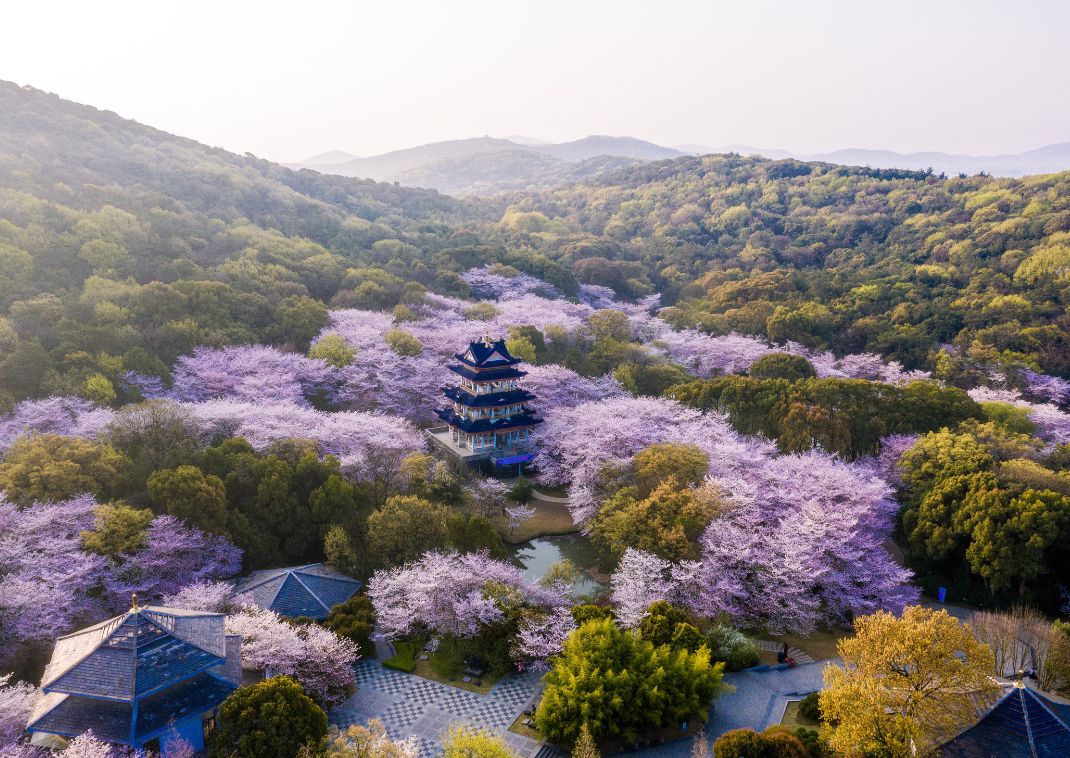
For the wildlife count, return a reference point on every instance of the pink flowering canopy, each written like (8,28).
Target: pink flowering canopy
(445,593)
(316,657)
(250,373)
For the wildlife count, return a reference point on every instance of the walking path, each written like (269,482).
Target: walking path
(759,699)
(771,646)
(411,706)
(536,495)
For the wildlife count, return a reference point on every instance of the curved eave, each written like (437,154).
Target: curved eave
(477,426)
(491,375)
(491,400)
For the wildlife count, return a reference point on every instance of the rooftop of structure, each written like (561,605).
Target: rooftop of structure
(310,590)
(1022,723)
(487,353)
(136,653)
(489,399)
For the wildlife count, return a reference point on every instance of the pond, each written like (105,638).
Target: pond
(539,554)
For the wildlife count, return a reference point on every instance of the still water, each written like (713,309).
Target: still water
(540,553)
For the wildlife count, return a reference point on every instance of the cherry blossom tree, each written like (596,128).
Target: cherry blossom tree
(252,373)
(641,578)
(46,579)
(16,703)
(210,596)
(542,634)
(485,283)
(68,416)
(445,593)
(559,387)
(316,657)
(173,557)
(519,514)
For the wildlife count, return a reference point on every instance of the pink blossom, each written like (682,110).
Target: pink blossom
(252,373)
(53,415)
(542,635)
(446,593)
(16,702)
(202,595)
(519,514)
(316,657)
(484,283)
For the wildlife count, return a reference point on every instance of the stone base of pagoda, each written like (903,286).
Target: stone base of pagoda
(442,438)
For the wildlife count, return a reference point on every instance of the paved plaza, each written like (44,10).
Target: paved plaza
(409,705)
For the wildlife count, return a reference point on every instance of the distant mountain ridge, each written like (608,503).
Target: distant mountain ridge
(489,165)
(483,166)
(1044,160)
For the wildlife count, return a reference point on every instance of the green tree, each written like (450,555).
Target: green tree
(650,378)
(152,435)
(685,464)
(117,529)
(403,343)
(341,551)
(1013,537)
(469,742)
(52,467)
(668,522)
(585,746)
(188,493)
(623,686)
(355,619)
(333,349)
(297,320)
(939,455)
(270,719)
(782,366)
(470,533)
(610,324)
(405,528)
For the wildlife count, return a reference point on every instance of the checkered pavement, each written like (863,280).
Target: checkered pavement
(411,706)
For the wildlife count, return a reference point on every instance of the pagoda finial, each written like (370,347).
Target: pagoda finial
(133,602)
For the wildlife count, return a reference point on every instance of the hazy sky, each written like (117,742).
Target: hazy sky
(286,80)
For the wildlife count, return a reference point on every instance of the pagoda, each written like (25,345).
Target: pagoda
(143,679)
(488,418)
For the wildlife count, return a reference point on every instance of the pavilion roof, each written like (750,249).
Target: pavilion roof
(1022,724)
(487,375)
(489,400)
(475,426)
(487,353)
(310,590)
(136,653)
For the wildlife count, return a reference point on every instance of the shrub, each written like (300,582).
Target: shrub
(782,366)
(404,657)
(354,619)
(810,707)
(271,719)
(731,647)
(403,343)
(521,491)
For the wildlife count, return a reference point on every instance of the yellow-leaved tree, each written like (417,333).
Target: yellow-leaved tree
(907,683)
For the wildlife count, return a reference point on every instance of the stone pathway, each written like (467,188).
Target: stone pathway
(770,646)
(536,495)
(409,705)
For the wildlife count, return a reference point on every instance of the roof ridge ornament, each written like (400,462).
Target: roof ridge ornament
(133,602)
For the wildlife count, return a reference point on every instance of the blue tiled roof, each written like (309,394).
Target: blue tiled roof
(493,375)
(135,654)
(1023,724)
(487,354)
(156,658)
(310,590)
(476,426)
(490,400)
(111,720)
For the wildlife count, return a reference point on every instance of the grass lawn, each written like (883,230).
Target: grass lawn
(519,728)
(793,719)
(424,669)
(404,659)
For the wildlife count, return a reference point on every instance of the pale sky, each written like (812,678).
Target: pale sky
(285,80)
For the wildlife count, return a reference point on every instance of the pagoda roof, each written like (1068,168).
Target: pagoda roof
(476,426)
(139,652)
(489,400)
(310,590)
(491,375)
(1022,724)
(487,353)
(113,721)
